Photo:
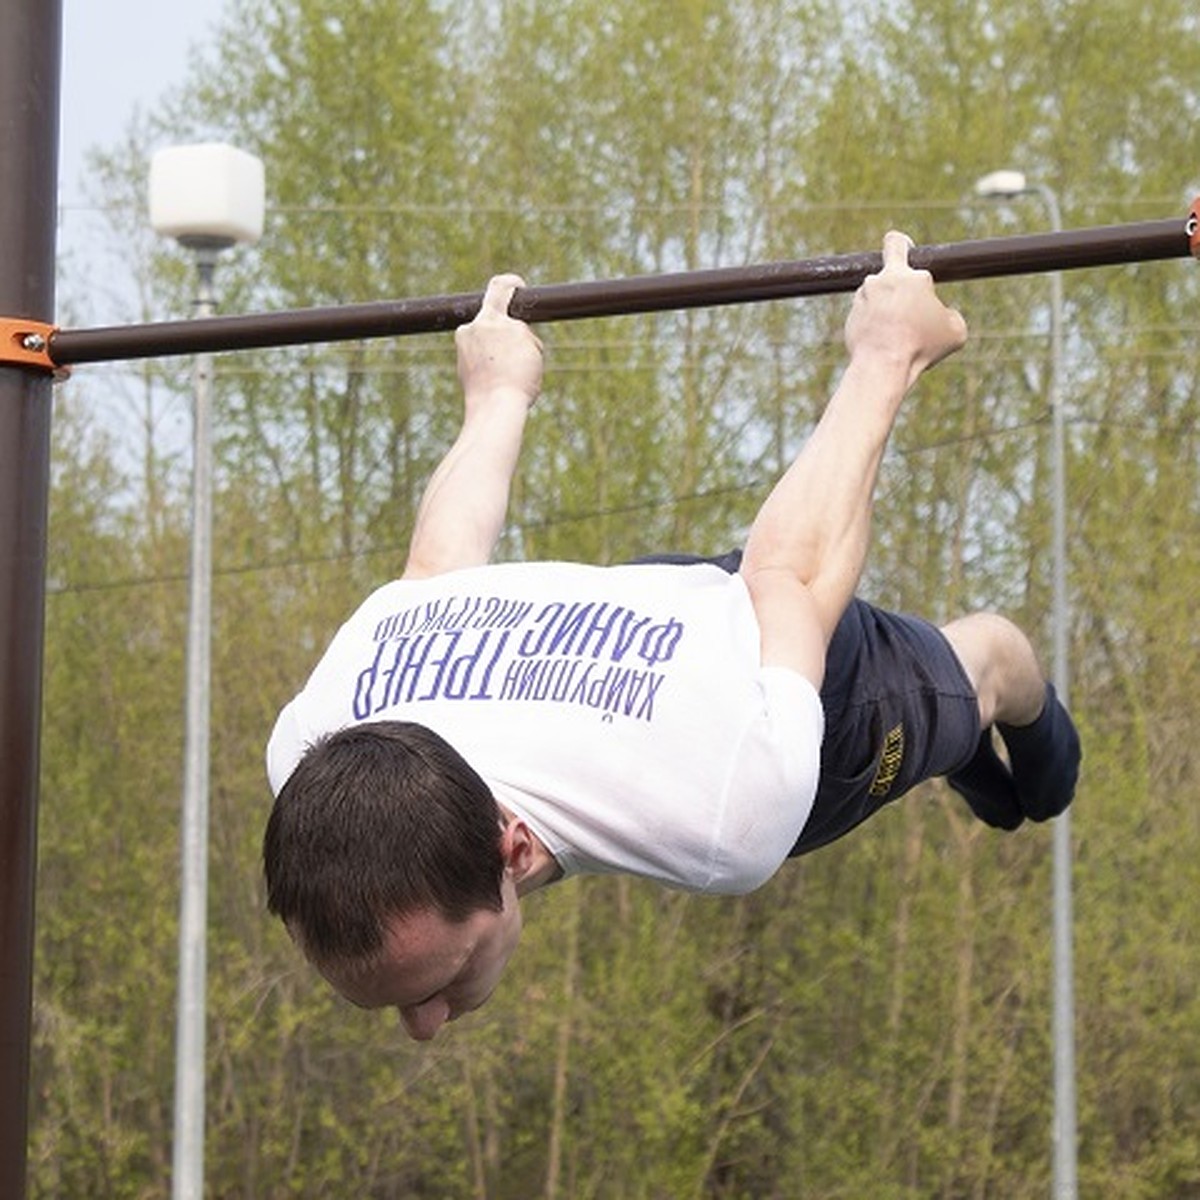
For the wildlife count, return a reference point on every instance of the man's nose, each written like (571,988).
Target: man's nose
(422,1021)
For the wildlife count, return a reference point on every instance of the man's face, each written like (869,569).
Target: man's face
(433,970)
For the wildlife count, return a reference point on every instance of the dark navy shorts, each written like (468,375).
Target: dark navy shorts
(899,709)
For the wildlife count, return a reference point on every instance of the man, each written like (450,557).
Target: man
(477,731)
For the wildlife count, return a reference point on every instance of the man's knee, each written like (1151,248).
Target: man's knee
(1002,666)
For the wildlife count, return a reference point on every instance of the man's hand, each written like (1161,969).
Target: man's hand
(897,317)
(496,353)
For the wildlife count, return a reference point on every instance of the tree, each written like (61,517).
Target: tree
(876,1019)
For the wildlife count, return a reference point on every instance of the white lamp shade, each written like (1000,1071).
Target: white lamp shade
(1000,184)
(207,194)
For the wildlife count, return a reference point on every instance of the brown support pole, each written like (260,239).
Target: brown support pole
(30,50)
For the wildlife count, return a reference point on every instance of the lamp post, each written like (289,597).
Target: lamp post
(208,197)
(1002,185)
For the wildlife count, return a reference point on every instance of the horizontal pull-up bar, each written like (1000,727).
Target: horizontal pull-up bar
(949,262)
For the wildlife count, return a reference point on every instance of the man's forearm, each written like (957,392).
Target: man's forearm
(816,522)
(463,508)
(462,511)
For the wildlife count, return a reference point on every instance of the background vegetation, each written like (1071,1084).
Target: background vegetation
(876,1020)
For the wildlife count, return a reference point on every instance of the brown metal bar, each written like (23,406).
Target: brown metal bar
(29,77)
(951,261)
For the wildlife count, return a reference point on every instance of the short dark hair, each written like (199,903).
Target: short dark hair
(379,820)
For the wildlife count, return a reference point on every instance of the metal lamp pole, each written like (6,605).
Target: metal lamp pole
(188,1150)
(1001,185)
(209,197)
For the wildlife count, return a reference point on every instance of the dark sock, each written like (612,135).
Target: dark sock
(987,785)
(1045,759)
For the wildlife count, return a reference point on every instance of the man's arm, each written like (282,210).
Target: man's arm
(808,544)
(462,510)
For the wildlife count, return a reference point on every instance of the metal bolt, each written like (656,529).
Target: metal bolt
(34,343)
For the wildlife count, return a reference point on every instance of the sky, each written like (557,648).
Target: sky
(119,55)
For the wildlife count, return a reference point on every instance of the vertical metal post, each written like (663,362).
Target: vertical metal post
(30,51)
(187,1179)
(1065,1134)
(1005,185)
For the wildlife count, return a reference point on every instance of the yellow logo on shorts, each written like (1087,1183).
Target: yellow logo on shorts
(889,763)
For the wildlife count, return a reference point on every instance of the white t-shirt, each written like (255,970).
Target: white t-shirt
(621,711)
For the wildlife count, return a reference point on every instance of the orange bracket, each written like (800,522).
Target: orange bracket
(27,344)
(1193,228)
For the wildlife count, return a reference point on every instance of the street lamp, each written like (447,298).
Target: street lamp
(1007,185)
(208,197)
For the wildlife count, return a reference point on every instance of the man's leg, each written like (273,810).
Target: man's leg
(1043,747)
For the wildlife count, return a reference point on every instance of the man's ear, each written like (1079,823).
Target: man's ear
(517,848)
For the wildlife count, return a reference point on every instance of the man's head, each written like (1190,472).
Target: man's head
(429,969)
(391,864)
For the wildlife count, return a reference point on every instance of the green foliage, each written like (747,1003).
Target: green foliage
(876,1020)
